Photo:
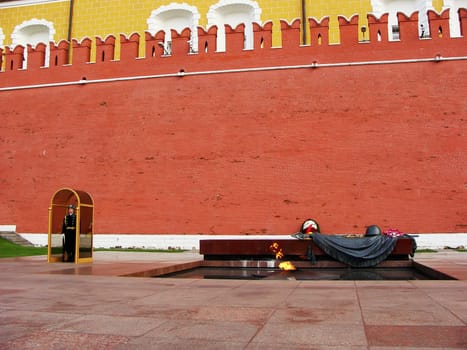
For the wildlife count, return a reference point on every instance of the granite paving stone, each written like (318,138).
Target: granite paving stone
(205,330)
(90,306)
(142,343)
(324,298)
(311,334)
(316,315)
(64,340)
(103,324)
(418,336)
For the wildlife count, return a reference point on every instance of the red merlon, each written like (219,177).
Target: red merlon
(234,38)
(378,28)
(81,51)
(439,24)
(180,42)
(408,27)
(463,19)
(319,31)
(348,30)
(290,34)
(262,35)
(154,44)
(129,47)
(14,58)
(105,49)
(36,56)
(207,40)
(59,53)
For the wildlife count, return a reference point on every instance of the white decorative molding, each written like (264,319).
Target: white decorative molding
(21,3)
(454,23)
(246,11)
(16,36)
(25,34)
(222,3)
(407,7)
(2,37)
(177,16)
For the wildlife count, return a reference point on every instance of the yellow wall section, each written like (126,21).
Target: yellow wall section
(127,16)
(57,13)
(333,9)
(438,5)
(101,18)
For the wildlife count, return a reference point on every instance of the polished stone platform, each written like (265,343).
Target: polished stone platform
(89,306)
(218,249)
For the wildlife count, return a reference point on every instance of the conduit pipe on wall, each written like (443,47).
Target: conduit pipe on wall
(314,65)
(304,22)
(70,28)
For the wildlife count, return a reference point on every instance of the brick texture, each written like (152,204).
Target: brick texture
(244,153)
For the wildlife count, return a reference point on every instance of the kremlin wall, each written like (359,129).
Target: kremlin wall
(242,142)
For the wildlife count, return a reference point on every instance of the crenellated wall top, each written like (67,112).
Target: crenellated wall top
(67,61)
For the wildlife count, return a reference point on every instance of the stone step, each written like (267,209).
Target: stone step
(16,239)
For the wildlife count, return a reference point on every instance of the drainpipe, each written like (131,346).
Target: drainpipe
(70,28)
(303,22)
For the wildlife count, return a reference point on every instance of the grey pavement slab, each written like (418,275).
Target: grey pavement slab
(63,306)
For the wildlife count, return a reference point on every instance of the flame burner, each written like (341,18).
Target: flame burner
(287,265)
(277,250)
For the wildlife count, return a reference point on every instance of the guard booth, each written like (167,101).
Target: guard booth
(84,210)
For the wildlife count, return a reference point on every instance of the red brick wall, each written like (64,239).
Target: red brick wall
(245,153)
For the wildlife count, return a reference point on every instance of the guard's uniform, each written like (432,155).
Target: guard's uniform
(69,229)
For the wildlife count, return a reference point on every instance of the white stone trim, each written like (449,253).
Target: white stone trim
(257,10)
(439,241)
(2,37)
(212,17)
(21,3)
(16,37)
(454,23)
(31,22)
(190,242)
(152,22)
(381,7)
(8,228)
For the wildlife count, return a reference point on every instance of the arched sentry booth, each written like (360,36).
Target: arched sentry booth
(84,211)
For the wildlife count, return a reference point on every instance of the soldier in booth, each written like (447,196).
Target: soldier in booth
(69,230)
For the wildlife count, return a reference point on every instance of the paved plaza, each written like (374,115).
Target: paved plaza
(67,306)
